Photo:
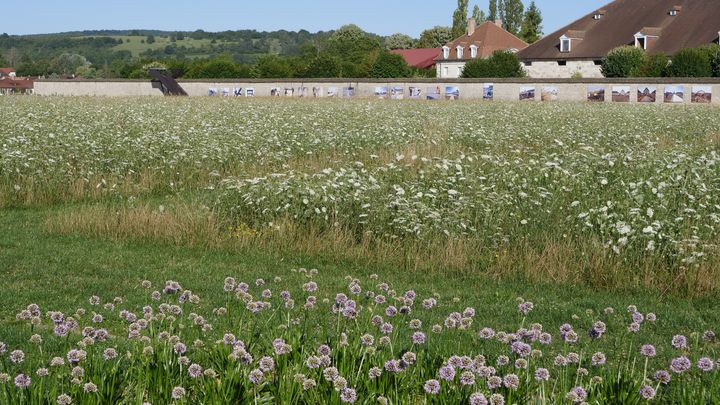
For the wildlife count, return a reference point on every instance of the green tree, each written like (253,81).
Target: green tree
(478,15)
(87,72)
(435,37)
(690,62)
(460,16)
(511,12)
(398,41)
(713,53)
(389,65)
(272,67)
(654,65)
(351,44)
(150,39)
(499,64)
(624,61)
(531,29)
(493,13)
(67,63)
(324,65)
(3,62)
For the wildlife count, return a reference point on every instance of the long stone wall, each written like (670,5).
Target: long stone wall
(682,91)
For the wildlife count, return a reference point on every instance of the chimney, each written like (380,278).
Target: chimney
(499,23)
(471,26)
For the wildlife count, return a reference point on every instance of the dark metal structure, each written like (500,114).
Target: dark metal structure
(163,80)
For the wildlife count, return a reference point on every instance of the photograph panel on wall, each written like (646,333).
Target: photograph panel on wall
(674,93)
(381,92)
(646,94)
(549,93)
(303,91)
(289,91)
(415,93)
(701,94)
(332,91)
(452,93)
(527,93)
(349,91)
(488,91)
(250,92)
(212,91)
(317,91)
(621,94)
(433,93)
(596,93)
(275,92)
(225,91)
(237,91)
(397,93)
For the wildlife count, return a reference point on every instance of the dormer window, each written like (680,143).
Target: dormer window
(460,51)
(641,42)
(446,52)
(473,51)
(565,44)
(599,14)
(675,11)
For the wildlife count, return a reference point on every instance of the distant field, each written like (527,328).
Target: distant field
(605,217)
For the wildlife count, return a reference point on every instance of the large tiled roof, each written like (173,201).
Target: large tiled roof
(488,37)
(697,23)
(421,57)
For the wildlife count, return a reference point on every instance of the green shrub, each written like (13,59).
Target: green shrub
(389,65)
(713,53)
(500,64)
(653,66)
(624,61)
(689,62)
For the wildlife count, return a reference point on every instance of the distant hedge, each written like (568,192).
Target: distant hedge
(629,61)
(499,64)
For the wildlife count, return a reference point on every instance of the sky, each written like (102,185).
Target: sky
(382,17)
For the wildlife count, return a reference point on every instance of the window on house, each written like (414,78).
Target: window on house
(446,52)
(597,16)
(562,63)
(598,62)
(460,50)
(565,45)
(446,71)
(641,42)
(528,63)
(473,51)
(673,13)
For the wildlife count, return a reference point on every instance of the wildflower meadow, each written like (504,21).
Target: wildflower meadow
(216,251)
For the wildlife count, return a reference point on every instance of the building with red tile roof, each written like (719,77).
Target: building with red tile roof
(423,58)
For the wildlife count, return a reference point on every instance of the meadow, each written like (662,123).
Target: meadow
(361,251)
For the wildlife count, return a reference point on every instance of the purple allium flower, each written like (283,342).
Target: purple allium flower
(494,382)
(76,356)
(374,373)
(647,392)
(195,370)
(391,311)
(467,378)
(432,387)
(109,353)
(663,377)
(525,307)
(267,364)
(545,338)
(637,317)
(393,366)
(478,399)
(598,359)
(521,349)
(178,393)
(331,374)
(180,348)
(418,338)
(17,356)
(651,317)
(447,373)
(679,342)
(705,364)
(709,336)
(256,376)
(634,327)
(542,374)
(577,395)
(600,327)
(429,303)
(22,381)
(648,350)
(348,396)
(64,399)
(487,333)
(561,361)
(469,312)
(571,337)
(511,381)
(680,365)
(313,362)
(497,399)
(90,387)
(386,328)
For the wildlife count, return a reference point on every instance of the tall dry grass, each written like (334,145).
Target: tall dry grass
(569,262)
